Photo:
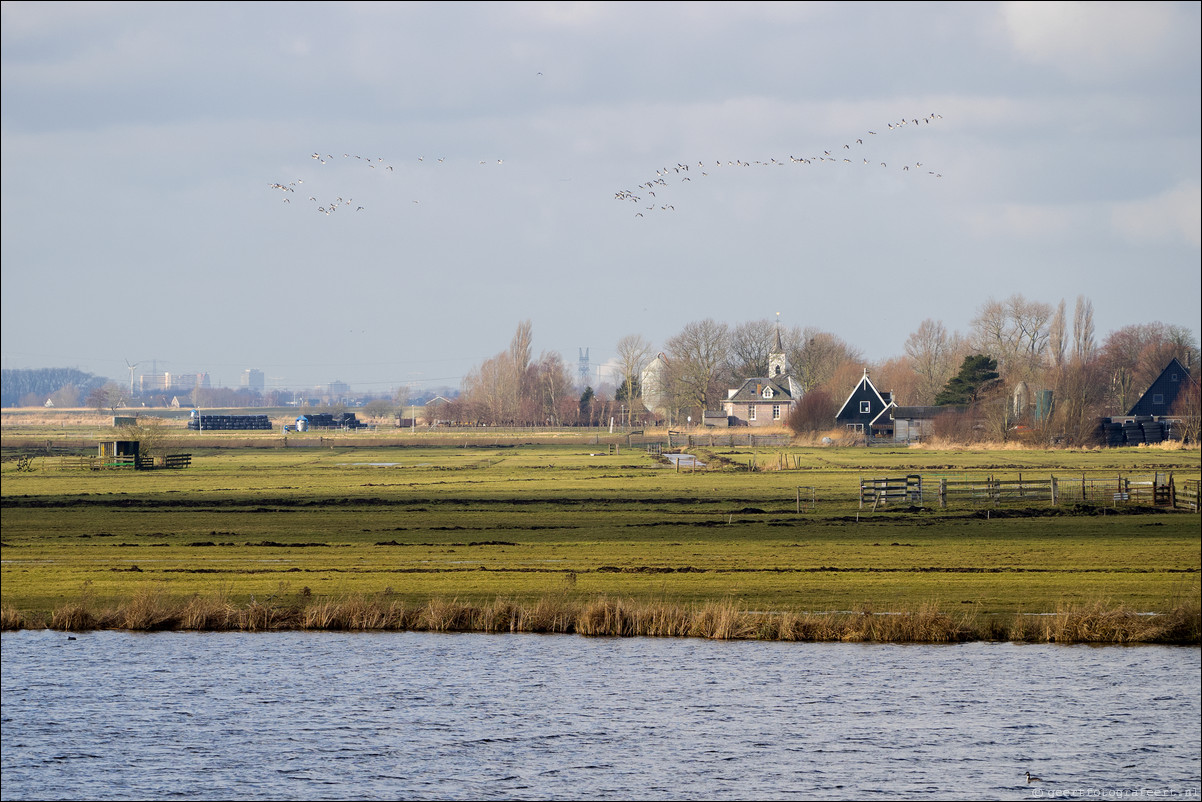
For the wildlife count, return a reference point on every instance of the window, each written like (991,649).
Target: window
(751,412)
(1158,398)
(855,427)
(767,392)
(776,412)
(865,407)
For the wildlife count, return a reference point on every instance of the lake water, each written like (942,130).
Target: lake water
(113,715)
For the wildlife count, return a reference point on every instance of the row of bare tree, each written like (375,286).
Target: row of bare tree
(1033,342)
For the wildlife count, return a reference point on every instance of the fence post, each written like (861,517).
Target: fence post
(1052,488)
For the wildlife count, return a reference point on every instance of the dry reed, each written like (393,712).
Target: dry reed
(12,618)
(209,614)
(73,617)
(1097,622)
(149,610)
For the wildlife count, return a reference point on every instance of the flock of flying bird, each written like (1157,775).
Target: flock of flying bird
(328,207)
(645,193)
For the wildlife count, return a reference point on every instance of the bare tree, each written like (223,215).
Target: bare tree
(110,397)
(934,355)
(488,390)
(1134,356)
(751,345)
(66,396)
(380,409)
(1058,337)
(1188,410)
(1032,328)
(818,356)
(698,356)
(1078,402)
(1015,332)
(519,389)
(150,432)
(897,376)
(633,351)
(1083,333)
(815,412)
(554,383)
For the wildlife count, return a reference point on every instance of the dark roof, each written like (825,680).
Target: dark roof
(865,389)
(910,413)
(1159,397)
(752,390)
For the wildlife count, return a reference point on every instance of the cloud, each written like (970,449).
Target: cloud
(1172,214)
(1088,40)
(1025,221)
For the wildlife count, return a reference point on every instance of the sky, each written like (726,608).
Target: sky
(380,193)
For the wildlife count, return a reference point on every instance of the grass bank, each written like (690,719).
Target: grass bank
(514,535)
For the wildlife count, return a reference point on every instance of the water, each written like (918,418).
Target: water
(114,715)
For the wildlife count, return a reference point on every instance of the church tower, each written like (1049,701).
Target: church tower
(778,364)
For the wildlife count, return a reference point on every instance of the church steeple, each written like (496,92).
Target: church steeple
(778,364)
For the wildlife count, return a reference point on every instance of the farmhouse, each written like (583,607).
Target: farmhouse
(1155,416)
(1159,398)
(867,410)
(764,400)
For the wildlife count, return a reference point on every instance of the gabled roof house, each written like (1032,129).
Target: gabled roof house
(866,410)
(765,400)
(1160,396)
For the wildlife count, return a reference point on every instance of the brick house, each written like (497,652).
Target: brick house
(765,400)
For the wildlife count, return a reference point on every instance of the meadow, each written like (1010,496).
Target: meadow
(583,532)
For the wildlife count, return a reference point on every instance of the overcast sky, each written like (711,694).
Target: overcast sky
(501,154)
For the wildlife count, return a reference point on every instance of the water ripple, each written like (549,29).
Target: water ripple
(417,715)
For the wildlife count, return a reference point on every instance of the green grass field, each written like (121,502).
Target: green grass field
(483,521)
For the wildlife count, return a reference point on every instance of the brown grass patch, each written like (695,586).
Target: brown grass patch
(11,618)
(1097,622)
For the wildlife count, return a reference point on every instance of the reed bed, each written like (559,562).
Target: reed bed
(1096,622)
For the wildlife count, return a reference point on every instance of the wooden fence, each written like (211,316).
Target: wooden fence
(882,492)
(672,438)
(1149,490)
(1186,496)
(140,463)
(177,461)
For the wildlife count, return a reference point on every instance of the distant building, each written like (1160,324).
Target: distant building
(189,381)
(765,400)
(154,382)
(912,424)
(177,382)
(1162,394)
(653,383)
(252,379)
(867,410)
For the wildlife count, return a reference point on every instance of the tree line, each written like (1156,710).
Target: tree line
(1027,344)
(1031,345)
(33,387)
